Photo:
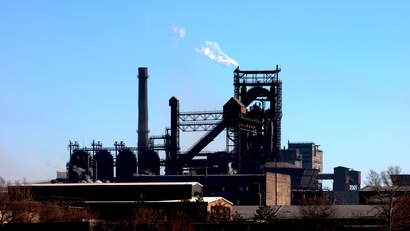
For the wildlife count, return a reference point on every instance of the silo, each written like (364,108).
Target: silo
(103,166)
(80,167)
(126,166)
(149,163)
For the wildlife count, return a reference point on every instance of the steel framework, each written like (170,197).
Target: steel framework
(261,86)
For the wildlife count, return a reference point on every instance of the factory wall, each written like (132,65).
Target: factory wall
(291,156)
(240,189)
(312,157)
(278,190)
(117,191)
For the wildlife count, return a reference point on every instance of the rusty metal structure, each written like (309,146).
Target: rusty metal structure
(261,92)
(251,119)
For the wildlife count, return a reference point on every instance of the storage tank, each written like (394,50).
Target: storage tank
(103,166)
(149,163)
(126,166)
(80,167)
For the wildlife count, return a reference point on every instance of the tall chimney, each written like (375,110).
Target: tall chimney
(142,111)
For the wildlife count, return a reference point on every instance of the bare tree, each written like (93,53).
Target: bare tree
(50,211)
(22,206)
(237,217)
(388,192)
(179,220)
(5,212)
(265,214)
(198,212)
(318,209)
(143,217)
(54,211)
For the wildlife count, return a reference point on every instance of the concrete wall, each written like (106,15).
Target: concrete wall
(282,187)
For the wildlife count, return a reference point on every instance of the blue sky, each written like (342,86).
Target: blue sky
(68,71)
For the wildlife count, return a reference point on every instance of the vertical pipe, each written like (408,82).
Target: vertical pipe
(172,161)
(142,111)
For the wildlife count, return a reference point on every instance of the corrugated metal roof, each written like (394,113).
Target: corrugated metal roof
(115,184)
(193,199)
(293,211)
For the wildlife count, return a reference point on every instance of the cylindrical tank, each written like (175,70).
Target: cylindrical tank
(126,166)
(149,163)
(103,166)
(80,167)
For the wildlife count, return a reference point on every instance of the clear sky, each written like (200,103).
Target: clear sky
(68,71)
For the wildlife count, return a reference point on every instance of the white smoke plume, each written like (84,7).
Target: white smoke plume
(83,177)
(180,31)
(231,170)
(148,172)
(78,170)
(214,52)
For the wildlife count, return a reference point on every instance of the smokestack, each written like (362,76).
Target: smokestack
(142,111)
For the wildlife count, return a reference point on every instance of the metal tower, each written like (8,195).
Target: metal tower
(260,87)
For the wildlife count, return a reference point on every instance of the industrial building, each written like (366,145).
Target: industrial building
(118,191)
(114,201)
(253,169)
(306,155)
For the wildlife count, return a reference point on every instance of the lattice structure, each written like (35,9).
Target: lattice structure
(259,87)
(199,121)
